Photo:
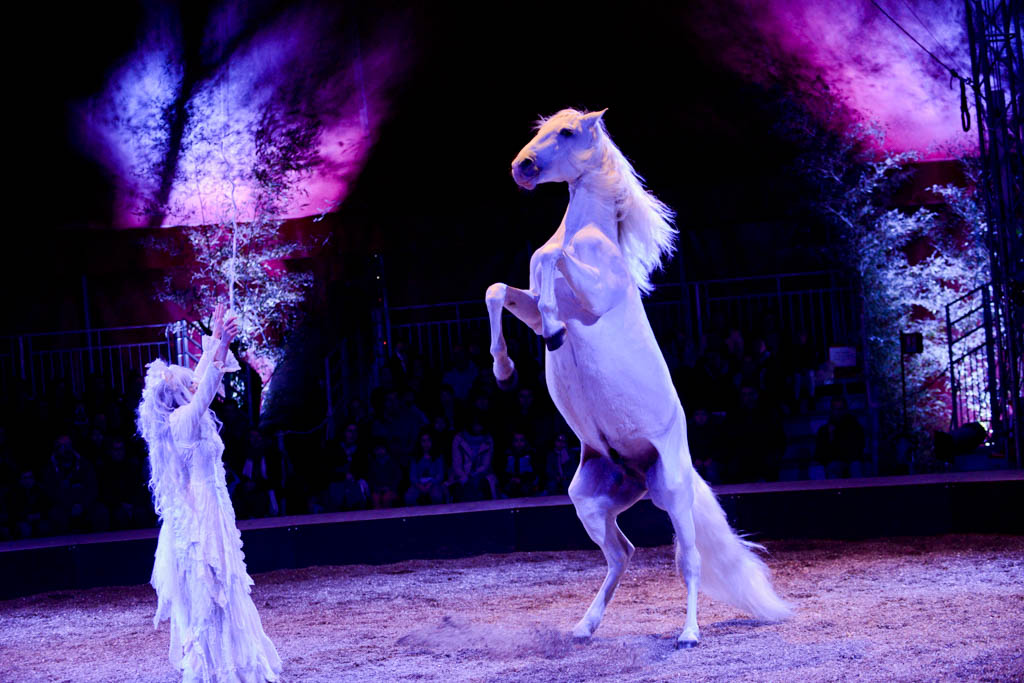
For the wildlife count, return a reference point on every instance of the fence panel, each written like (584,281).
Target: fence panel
(115,356)
(975,339)
(823,305)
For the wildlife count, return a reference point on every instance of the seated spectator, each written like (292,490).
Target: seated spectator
(411,410)
(426,476)
(560,467)
(80,424)
(705,444)
(256,495)
(734,351)
(398,425)
(472,477)
(757,440)
(840,441)
(384,477)
(122,488)
(448,406)
(771,378)
(95,446)
(29,508)
(528,415)
(713,385)
(519,477)
(71,485)
(443,437)
(281,471)
(481,407)
(461,375)
(346,487)
(358,414)
(802,362)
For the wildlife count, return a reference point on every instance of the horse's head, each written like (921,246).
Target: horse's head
(560,150)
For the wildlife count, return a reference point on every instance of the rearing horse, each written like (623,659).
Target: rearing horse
(606,373)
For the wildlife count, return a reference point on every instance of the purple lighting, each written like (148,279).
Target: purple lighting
(854,50)
(178,127)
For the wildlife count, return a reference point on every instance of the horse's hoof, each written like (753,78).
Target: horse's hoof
(509,383)
(555,341)
(582,632)
(686,644)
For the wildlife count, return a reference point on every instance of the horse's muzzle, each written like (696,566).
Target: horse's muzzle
(525,171)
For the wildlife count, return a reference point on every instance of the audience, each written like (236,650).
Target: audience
(840,441)
(432,435)
(347,488)
(426,475)
(560,466)
(704,440)
(472,450)
(256,493)
(384,478)
(757,440)
(519,479)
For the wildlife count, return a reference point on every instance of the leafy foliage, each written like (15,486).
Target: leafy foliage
(910,264)
(243,244)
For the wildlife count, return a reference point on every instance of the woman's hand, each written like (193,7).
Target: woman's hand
(229,330)
(232,326)
(218,321)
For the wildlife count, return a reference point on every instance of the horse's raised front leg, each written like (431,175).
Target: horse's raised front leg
(552,329)
(523,305)
(600,490)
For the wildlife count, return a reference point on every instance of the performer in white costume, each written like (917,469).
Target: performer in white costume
(199,573)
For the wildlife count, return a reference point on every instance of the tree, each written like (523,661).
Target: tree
(240,254)
(909,264)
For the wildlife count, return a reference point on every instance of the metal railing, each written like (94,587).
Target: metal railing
(114,356)
(974,338)
(821,304)
(433,330)
(186,339)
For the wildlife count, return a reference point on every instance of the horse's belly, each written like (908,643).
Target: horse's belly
(612,394)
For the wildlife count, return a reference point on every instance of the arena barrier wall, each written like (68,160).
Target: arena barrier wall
(917,505)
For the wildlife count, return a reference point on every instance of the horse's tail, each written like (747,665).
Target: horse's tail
(730,571)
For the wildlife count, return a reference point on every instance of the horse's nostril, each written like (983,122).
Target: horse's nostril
(525,164)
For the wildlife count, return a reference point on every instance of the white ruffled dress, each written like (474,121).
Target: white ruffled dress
(199,574)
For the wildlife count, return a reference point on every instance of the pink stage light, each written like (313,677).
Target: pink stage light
(851,47)
(293,67)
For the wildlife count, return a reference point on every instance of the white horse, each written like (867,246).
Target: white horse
(606,373)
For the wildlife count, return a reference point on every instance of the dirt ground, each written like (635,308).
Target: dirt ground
(944,608)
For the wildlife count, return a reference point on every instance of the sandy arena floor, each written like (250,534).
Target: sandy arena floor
(946,608)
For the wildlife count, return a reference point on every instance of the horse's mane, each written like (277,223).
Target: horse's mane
(646,229)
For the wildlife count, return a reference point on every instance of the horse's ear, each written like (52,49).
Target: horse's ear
(592,118)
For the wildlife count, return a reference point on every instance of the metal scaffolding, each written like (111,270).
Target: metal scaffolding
(997,69)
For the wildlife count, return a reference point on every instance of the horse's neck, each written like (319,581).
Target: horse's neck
(588,206)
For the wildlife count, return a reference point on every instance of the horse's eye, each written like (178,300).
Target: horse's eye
(566,132)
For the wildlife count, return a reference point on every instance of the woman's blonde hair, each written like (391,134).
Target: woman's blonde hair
(166,388)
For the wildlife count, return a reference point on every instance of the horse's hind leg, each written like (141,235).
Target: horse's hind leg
(672,491)
(600,490)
